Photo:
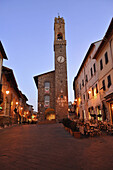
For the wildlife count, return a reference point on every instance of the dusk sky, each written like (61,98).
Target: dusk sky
(27,34)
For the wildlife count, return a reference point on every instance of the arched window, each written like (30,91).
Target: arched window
(59,36)
(46,101)
(47,87)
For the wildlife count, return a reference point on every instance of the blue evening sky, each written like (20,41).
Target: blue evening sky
(27,34)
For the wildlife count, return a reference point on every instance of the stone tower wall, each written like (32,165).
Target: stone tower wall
(61,90)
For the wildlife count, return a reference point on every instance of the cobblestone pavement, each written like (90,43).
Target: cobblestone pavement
(50,147)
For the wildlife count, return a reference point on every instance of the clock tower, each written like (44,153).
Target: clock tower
(61,90)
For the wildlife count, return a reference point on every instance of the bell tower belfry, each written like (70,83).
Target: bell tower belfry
(61,90)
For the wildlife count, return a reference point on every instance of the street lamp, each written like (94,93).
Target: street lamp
(7,92)
(89,91)
(16,103)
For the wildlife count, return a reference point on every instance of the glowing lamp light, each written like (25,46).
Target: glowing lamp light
(61,91)
(75,100)
(21,108)
(89,91)
(112,106)
(7,92)
(16,103)
(94,92)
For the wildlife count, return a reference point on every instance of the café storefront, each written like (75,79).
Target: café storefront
(109,100)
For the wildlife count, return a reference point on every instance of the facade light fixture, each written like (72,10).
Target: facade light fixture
(16,103)
(112,106)
(89,91)
(68,110)
(7,92)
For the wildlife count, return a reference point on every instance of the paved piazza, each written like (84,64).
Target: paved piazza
(50,147)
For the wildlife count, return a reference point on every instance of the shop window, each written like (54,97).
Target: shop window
(103,85)
(46,101)
(89,113)
(99,114)
(84,115)
(94,67)
(92,110)
(101,64)
(47,87)
(106,57)
(109,81)
(91,70)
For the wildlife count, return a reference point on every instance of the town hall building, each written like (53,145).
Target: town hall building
(52,86)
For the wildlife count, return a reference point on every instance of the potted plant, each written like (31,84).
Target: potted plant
(77,134)
(75,130)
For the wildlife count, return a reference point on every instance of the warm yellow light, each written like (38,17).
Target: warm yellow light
(7,92)
(50,117)
(21,108)
(16,103)
(95,92)
(89,91)
(79,100)
(75,100)
(112,106)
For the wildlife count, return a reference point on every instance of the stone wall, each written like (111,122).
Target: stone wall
(47,77)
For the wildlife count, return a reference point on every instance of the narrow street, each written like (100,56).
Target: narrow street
(50,147)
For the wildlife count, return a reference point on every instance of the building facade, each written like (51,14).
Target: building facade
(11,96)
(104,59)
(2,56)
(13,107)
(86,85)
(91,93)
(52,86)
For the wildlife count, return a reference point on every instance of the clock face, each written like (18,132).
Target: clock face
(60,59)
